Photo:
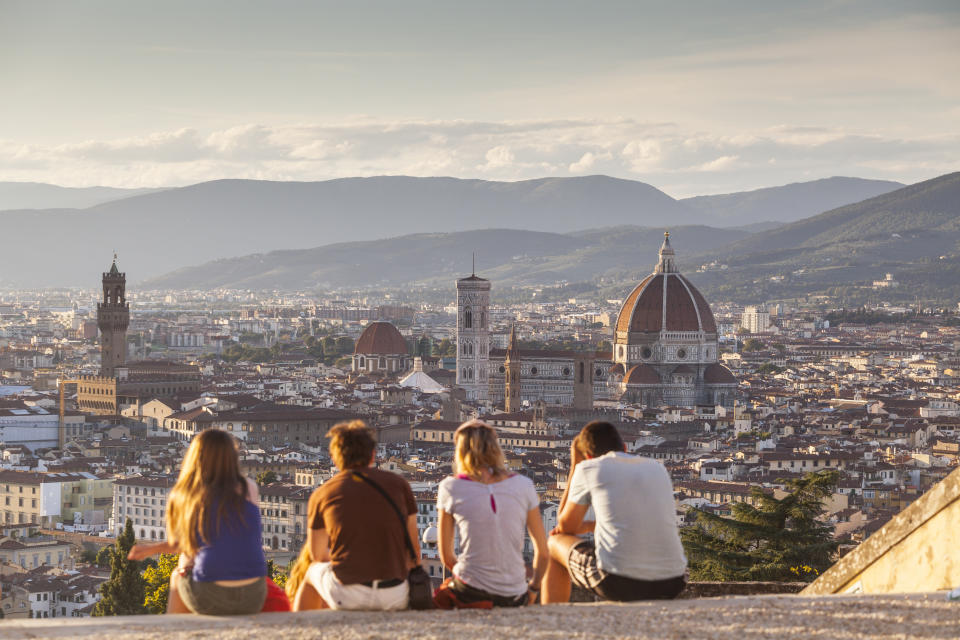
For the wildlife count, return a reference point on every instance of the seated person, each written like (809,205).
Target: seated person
(636,553)
(357,542)
(492,509)
(213,522)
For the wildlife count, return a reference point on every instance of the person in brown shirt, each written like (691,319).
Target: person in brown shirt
(357,543)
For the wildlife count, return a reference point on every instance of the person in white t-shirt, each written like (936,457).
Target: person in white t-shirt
(491,509)
(636,552)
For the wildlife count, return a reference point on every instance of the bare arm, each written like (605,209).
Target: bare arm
(319,542)
(570,520)
(539,538)
(414,539)
(445,527)
(253,491)
(576,457)
(147,549)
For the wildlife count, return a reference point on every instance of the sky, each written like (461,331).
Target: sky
(694,97)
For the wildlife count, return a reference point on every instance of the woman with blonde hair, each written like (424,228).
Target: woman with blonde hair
(491,509)
(213,522)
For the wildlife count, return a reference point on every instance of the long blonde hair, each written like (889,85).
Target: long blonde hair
(298,571)
(209,477)
(477,449)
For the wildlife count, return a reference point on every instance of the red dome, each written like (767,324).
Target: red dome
(641,374)
(718,374)
(380,339)
(648,310)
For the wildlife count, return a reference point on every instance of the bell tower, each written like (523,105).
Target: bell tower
(113,318)
(473,336)
(513,400)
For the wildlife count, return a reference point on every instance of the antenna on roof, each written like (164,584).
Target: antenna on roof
(473,269)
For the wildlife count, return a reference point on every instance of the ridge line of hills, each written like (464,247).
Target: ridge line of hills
(156,233)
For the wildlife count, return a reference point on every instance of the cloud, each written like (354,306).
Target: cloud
(681,160)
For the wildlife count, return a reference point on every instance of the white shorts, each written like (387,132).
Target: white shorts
(354,596)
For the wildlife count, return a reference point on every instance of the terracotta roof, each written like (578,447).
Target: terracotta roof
(684,369)
(381,338)
(718,374)
(683,308)
(641,374)
(616,369)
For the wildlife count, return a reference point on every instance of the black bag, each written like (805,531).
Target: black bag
(421,587)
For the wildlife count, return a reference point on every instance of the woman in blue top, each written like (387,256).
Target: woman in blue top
(213,522)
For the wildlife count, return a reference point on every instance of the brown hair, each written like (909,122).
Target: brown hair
(209,476)
(597,438)
(298,571)
(477,449)
(351,444)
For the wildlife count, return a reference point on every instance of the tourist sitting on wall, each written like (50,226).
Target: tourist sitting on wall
(492,509)
(636,553)
(213,522)
(360,550)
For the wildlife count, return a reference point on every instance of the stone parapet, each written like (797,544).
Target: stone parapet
(737,618)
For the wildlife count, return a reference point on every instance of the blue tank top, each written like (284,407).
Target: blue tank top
(235,552)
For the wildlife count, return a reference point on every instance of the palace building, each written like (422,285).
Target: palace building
(121,385)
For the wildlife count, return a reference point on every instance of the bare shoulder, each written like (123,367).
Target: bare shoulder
(253,491)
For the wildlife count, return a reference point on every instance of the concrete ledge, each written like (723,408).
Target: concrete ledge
(916,551)
(736,618)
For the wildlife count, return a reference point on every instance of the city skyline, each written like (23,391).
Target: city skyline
(692,99)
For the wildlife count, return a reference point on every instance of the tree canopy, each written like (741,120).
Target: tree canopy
(123,593)
(774,539)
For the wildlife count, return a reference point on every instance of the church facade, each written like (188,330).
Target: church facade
(665,352)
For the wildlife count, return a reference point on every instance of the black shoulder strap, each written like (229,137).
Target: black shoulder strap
(396,509)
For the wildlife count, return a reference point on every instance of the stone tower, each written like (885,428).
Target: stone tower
(113,317)
(473,336)
(512,399)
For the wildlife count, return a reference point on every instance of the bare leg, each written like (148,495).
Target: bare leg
(174,601)
(556,584)
(307,598)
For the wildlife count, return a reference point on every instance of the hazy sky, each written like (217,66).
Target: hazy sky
(695,97)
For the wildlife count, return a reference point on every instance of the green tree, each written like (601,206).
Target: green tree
(157,582)
(778,539)
(266,477)
(123,593)
(752,344)
(103,556)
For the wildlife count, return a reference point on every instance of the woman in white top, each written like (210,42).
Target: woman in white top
(491,509)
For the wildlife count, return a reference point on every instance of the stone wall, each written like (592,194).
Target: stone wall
(916,551)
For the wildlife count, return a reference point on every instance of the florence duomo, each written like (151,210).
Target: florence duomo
(665,351)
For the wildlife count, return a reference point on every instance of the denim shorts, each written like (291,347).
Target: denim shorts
(212,599)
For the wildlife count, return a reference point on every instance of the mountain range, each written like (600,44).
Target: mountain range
(159,232)
(913,232)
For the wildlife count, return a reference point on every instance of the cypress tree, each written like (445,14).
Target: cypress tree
(123,593)
(773,539)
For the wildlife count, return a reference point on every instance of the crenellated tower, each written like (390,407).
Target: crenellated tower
(113,318)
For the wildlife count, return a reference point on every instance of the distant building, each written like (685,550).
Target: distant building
(119,384)
(665,344)
(473,336)
(381,350)
(887,283)
(755,319)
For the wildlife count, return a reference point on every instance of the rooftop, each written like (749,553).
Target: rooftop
(736,618)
